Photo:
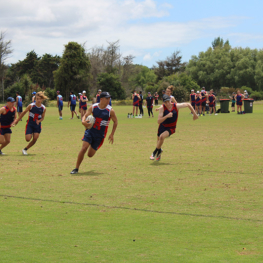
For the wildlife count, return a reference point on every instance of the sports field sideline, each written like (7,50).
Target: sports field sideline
(201,203)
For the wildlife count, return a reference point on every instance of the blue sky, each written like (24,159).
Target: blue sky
(150,30)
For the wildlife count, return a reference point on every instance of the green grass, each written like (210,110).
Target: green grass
(201,203)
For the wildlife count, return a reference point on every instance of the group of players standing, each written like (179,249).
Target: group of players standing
(199,100)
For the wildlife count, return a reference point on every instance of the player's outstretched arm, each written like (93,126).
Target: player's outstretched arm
(115,124)
(28,108)
(185,105)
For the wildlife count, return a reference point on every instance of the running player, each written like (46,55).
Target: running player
(98,96)
(83,103)
(167,119)
(149,104)
(59,104)
(198,106)
(211,101)
(73,101)
(94,136)
(136,99)
(19,104)
(7,117)
(192,98)
(239,99)
(203,100)
(36,114)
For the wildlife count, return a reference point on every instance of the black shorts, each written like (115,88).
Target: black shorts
(233,104)
(203,103)
(19,109)
(162,129)
(72,107)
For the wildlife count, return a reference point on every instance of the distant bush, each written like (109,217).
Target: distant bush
(256,95)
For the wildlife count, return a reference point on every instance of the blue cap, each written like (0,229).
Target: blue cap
(10,99)
(34,93)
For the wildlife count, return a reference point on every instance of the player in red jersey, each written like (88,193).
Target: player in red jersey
(7,117)
(167,119)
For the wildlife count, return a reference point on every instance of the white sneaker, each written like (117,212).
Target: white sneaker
(1,153)
(24,152)
(152,157)
(216,114)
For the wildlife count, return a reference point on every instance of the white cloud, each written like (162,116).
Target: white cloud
(46,26)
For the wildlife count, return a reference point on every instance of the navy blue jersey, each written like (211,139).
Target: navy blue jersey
(60,100)
(73,99)
(83,103)
(35,113)
(192,97)
(102,120)
(211,98)
(97,98)
(170,122)
(135,100)
(149,101)
(7,118)
(19,101)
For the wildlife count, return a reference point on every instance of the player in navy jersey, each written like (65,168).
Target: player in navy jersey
(19,104)
(203,100)
(72,101)
(198,106)
(239,99)
(95,134)
(211,101)
(59,104)
(98,96)
(136,99)
(7,117)
(149,104)
(192,98)
(36,115)
(167,119)
(83,103)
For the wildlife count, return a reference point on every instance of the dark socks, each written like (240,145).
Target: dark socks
(25,149)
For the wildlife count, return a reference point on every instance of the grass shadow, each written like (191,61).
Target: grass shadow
(88,173)
(160,164)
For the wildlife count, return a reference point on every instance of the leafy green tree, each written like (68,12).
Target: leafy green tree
(146,77)
(171,65)
(111,83)
(73,72)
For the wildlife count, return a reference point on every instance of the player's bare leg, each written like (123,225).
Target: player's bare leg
(33,141)
(82,152)
(5,140)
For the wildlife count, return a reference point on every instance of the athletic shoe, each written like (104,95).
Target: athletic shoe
(78,116)
(60,118)
(74,171)
(158,157)
(152,157)
(24,152)
(216,114)
(1,153)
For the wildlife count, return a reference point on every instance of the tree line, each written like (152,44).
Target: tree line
(220,67)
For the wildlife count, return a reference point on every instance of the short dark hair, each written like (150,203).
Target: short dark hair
(17,92)
(71,92)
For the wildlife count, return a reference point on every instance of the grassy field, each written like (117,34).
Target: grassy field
(201,203)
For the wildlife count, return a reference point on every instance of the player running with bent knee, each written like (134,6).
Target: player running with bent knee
(167,119)
(95,133)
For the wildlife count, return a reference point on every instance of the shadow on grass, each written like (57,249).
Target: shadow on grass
(88,173)
(160,164)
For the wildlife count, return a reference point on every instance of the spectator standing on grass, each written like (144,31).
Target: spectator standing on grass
(59,104)
(233,100)
(98,96)
(192,98)
(239,100)
(211,100)
(198,106)
(141,103)
(136,99)
(149,104)
(83,103)
(36,114)
(72,101)
(19,104)
(156,98)
(34,97)
(7,117)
